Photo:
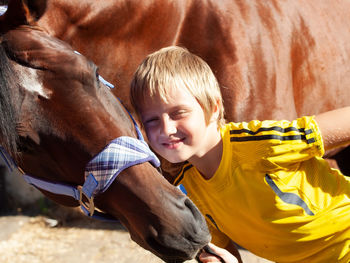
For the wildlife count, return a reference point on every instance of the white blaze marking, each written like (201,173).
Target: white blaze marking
(31,82)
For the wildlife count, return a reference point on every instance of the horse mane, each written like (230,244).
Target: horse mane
(8,116)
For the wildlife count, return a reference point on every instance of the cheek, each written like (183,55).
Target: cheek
(193,124)
(150,136)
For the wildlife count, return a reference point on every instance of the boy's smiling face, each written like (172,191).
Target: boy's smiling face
(177,128)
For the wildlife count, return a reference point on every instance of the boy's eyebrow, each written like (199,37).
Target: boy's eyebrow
(180,106)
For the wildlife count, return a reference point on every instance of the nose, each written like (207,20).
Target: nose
(186,245)
(168,126)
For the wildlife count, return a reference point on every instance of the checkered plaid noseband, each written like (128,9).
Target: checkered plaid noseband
(120,154)
(100,172)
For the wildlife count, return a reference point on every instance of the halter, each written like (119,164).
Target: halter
(121,153)
(3,9)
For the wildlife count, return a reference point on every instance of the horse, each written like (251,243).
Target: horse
(273,59)
(57,115)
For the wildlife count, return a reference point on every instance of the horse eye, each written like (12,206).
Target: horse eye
(105,82)
(98,79)
(97,75)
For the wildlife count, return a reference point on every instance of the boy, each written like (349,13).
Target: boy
(262,184)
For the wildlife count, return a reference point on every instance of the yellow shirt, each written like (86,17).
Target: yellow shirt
(274,195)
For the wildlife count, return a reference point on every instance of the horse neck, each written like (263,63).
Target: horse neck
(8,117)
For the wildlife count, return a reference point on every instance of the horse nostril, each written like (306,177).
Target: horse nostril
(194,233)
(194,210)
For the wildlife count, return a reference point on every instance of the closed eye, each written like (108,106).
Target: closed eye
(179,114)
(97,77)
(151,121)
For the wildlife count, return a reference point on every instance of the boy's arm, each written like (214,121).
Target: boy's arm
(335,127)
(229,254)
(232,248)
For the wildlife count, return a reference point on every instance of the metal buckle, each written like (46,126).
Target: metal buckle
(89,205)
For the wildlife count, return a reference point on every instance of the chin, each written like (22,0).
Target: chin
(173,159)
(174,156)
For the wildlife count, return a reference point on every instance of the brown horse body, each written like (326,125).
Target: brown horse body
(273,59)
(56,116)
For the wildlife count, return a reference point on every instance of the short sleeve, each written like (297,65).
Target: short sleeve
(298,141)
(270,145)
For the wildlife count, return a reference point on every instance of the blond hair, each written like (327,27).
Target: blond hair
(176,67)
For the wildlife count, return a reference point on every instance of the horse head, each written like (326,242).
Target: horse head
(56,116)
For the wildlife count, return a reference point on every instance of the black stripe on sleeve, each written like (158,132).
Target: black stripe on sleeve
(274,128)
(309,131)
(269,137)
(301,136)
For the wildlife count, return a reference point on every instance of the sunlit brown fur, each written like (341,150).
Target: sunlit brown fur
(273,59)
(71,117)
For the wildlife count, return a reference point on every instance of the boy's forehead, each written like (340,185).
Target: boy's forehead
(153,100)
(148,100)
(171,95)
(164,94)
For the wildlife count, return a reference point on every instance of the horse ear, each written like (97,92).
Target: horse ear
(35,9)
(22,12)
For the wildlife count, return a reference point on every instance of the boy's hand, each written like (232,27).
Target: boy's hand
(217,255)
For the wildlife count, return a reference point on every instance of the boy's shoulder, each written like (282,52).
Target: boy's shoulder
(262,135)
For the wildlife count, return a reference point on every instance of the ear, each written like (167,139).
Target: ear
(34,10)
(34,48)
(22,12)
(216,111)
